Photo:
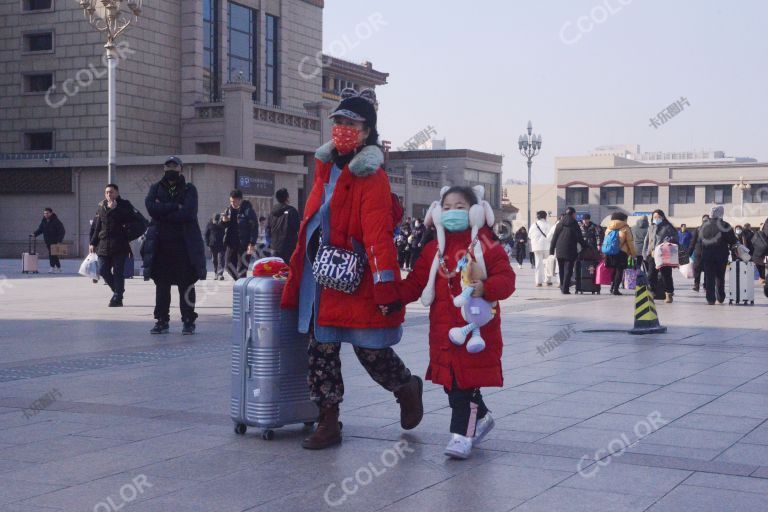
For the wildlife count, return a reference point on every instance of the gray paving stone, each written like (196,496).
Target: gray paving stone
(717,422)
(701,499)
(580,500)
(632,480)
(734,483)
(745,453)
(692,438)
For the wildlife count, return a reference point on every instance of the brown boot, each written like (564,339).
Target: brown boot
(668,300)
(328,431)
(411,407)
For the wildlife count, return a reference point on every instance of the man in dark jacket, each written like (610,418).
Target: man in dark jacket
(53,233)
(696,255)
(716,238)
(110,240)
(564,247)
(283,227)
(592,233)
(639,231)
(241,232)
(173,249)
(214,239)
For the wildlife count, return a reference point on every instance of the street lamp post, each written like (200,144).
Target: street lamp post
(112,18)
(529,146)
(742,186)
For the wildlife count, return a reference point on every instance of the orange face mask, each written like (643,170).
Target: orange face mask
(345,138)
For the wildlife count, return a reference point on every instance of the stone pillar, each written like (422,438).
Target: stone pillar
(238,121)
(408,196)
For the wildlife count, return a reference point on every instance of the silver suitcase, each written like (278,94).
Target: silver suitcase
(269,360)
(741,283)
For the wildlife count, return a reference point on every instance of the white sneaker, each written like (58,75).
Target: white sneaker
(459,447)
(482,428)
(52,270)
(58,270)
(519,266)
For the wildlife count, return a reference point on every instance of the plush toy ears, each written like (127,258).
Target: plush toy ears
(479,192)
(428,218)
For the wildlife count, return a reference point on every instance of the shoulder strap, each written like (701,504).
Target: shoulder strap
(540,231)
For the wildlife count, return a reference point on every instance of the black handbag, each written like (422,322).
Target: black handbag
(337,268)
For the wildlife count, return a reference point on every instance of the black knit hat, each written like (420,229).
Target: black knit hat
(357,106)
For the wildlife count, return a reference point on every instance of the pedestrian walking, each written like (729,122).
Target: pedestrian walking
(696,255)
(283,227)
(351,203)
(416,242)
(241,232)
(540,246)
(173,249)
(716,238)
(592,233)
(53,232)
(639,231)
(684,236)
(659,232)
(521,244)
(565,247)
(618,247)
(110,240)
(214,239)
(461,373)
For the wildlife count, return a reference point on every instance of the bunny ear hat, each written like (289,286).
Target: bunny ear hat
(480,214)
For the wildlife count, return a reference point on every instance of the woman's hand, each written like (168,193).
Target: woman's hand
(479,288)
(392,307)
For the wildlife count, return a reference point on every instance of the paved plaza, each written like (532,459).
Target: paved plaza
(96,414)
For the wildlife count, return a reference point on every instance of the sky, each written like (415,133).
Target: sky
(586,73)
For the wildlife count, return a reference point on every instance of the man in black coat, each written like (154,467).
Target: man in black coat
(110,240)
(173,249)
(283,227)
(716,239)
(564,246)
(695,249)
(53,233)
(241,232)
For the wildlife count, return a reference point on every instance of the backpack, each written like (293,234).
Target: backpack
(611,243)
(136,227)
(760,245)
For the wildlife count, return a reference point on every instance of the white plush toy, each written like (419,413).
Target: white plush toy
(476,311)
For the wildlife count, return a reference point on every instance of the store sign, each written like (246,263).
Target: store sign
(255,183)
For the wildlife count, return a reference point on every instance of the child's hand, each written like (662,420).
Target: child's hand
(479,289)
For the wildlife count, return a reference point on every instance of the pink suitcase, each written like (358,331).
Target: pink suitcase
(29,258)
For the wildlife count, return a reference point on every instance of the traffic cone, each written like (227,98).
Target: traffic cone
(646,318)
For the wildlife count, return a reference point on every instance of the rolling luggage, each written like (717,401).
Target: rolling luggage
(741,283)
(29,258)
(586,274)
(269,360)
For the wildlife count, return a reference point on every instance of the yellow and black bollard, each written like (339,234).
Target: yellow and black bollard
(646,318)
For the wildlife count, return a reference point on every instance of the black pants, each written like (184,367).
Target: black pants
(519,253)
(697,270)
(467,407)
(186,300)
(532,259)
(53,260)
(566,273)
(219,261)
(326,385)
(618,277)
(714,280)
(665,274)
(237,262)
(112,269)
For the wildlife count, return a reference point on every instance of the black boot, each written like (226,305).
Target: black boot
(161,327)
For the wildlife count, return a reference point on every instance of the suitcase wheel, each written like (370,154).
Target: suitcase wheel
(240,429)
(268,435)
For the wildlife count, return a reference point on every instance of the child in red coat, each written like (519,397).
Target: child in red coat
(462,221)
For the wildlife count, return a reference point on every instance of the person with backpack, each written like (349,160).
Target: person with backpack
(283,227)
(661,231)
(117,223)
(214,239)
(540,246)
(717,239)
(618,248)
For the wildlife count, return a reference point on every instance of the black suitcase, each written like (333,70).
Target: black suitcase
(586,274)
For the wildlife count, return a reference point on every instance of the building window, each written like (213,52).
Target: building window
(647,195)
(611,195)
(273,70)
(208,148)
(211,75)
(758,193)
(38,82)
(243,44)
(38,42)
(718,194)
(576,195)
(37,5)
(38,141)
(682,194)
(490,180)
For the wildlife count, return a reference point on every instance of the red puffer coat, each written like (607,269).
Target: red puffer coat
(361,207)
(447,360)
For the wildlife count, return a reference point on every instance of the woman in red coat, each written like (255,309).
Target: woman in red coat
(351,206)
(437,280)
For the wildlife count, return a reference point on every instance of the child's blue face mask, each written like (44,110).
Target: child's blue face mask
(456,220)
